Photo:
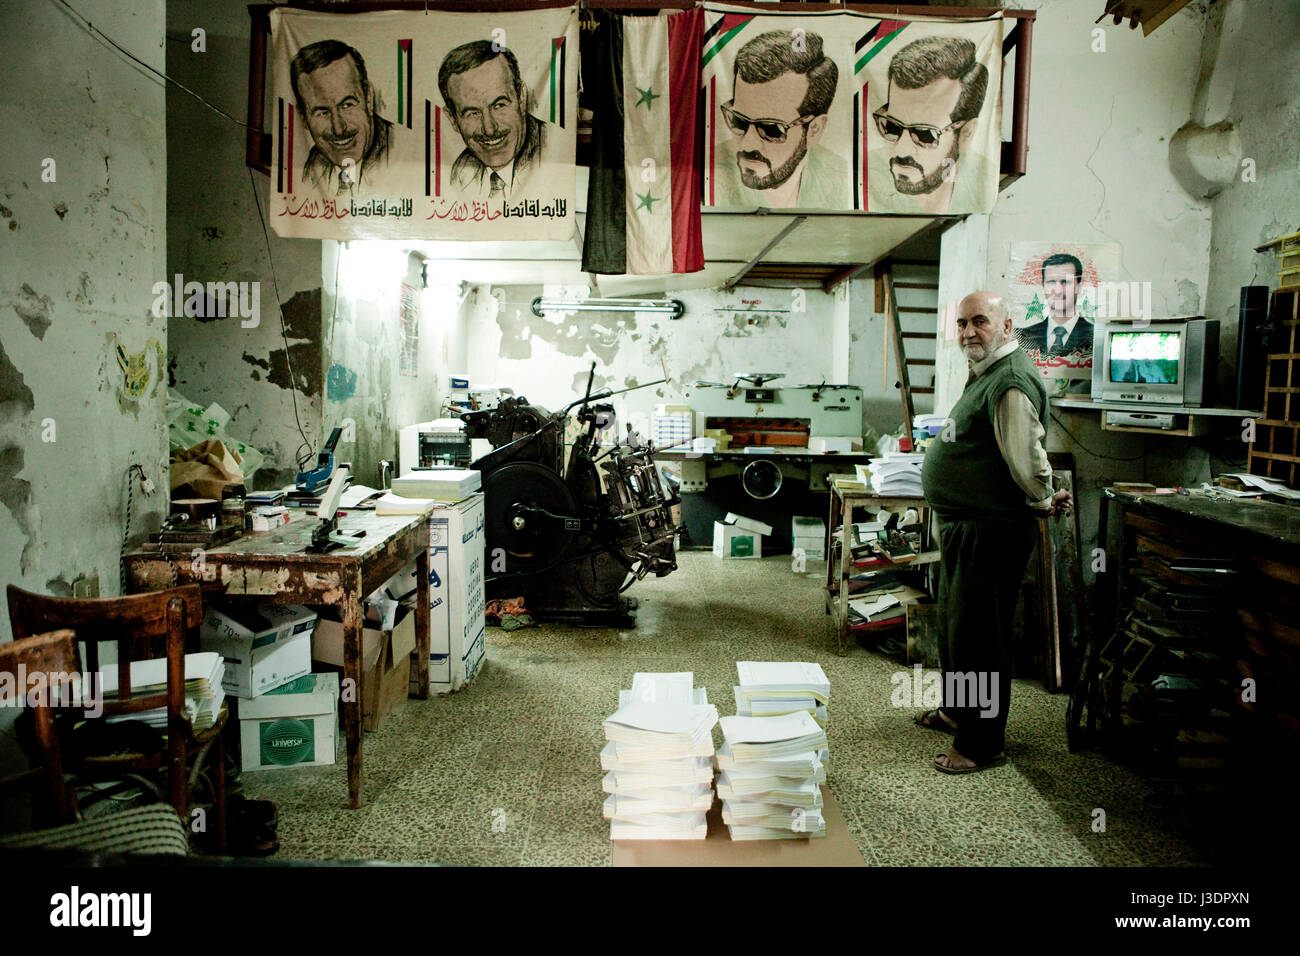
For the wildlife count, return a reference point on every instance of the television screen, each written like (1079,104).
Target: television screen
(1146,358)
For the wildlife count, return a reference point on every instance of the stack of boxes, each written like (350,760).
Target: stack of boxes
(672,427)
(288,716)
(809,534)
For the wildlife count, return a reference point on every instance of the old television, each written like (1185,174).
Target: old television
(1155,361)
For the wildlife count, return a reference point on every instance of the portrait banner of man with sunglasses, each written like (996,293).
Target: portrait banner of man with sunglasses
(777,102)
(933,124)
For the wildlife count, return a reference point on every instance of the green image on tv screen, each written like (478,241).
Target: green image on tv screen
(1145,358)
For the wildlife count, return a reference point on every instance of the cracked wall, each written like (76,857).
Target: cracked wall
(366,380)
(82,240)
(269,381)
(721,333)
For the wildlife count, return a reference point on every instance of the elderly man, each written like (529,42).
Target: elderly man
(987,479)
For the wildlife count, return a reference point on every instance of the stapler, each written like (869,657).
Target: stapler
(327,534)
(318,477)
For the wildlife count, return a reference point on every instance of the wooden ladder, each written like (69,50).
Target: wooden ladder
(887,303)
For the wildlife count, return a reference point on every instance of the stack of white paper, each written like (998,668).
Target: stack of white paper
(774,757)
(659,760)
(898,474)
(771,689)
(203,693)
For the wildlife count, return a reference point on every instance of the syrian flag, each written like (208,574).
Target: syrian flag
(655,228)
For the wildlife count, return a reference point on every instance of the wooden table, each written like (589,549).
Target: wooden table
(842,504)
(276,566)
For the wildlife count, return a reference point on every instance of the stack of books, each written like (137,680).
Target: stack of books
(659,760)
(897,475)
(775,757)
(203,693)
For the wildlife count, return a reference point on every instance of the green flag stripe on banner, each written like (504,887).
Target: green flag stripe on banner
(866,57)
(721,42)
(555,52)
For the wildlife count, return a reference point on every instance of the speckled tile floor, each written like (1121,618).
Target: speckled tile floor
(506,771)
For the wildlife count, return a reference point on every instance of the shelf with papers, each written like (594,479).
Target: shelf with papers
(839,568)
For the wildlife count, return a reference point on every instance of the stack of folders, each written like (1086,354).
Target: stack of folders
(769,776)
(659,760)
(203,693)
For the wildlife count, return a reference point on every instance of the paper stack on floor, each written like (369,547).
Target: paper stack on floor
(203,693)
(659,760)
(774,757)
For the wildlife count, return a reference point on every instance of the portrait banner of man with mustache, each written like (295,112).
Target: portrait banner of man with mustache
(398,124)
(777,108)
(934,129)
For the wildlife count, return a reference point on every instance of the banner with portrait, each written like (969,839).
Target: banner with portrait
(410,125)
(845,112)
(1054,295)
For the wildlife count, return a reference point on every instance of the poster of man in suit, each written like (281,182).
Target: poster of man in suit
(1053,296)
(394,124)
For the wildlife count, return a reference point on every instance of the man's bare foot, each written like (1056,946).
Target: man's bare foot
(953,762)
(936,720)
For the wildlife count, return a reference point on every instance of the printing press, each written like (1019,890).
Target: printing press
(767,469)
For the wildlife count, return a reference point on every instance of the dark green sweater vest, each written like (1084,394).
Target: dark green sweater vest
(966,476)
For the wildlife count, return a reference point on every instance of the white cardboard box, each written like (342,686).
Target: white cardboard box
(457,565)
(292,726)
(748,524)
(264,645)
(733,541)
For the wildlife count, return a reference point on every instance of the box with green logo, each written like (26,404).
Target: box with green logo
(292,726)
(732,541)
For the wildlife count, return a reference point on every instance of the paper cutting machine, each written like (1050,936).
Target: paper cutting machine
(767,471)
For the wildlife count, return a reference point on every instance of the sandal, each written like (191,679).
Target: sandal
(997,761)
(934,720)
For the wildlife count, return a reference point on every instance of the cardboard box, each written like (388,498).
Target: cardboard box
(732,541)
(812,547)
(807,527)
(457,565)
(748,524)
(295,725)
(385,663)
(265,646)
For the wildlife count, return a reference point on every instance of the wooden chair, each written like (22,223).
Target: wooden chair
(143,627)
(51,655)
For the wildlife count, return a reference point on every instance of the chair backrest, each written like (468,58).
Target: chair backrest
(143,626)
(36,669)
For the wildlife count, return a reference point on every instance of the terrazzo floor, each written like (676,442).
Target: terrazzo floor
(506,772)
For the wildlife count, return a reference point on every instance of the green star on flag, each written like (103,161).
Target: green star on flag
(647,96)
(647,201)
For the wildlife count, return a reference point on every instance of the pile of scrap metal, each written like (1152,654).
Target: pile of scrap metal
(571,538)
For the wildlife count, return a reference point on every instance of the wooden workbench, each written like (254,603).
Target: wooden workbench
(276,566)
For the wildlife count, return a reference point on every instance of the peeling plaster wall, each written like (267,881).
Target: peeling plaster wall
(548,359)
(78,259)
(1266,108)
(364,382)
(214,235)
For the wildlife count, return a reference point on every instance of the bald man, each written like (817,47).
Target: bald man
(988,480)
